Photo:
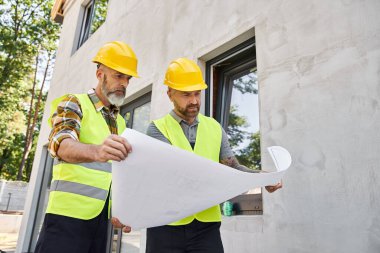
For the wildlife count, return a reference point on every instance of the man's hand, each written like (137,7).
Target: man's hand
(273,188)
(117,224)
(115,148)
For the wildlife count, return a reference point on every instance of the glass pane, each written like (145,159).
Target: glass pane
(86,24)
(141,118)
(100,14)
(243,120)
(127,118)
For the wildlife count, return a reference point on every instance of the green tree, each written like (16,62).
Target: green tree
(247,83)
(100,14)
(250,156)
(27,44)
(236,123)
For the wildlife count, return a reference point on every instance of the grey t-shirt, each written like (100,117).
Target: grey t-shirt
(190,132)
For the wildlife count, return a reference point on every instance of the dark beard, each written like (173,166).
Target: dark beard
(185,111)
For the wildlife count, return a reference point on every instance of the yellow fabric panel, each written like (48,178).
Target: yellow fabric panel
(80,207)
(208,142)
(94,130)
(78,174)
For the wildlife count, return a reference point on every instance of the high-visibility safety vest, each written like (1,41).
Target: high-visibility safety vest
(208,142)
(80,190)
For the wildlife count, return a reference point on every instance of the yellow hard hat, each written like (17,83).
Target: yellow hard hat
(118,56)
(184,75)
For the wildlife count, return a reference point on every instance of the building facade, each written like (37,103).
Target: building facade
(304,75)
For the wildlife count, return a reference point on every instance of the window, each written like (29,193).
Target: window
(137,113)
(95,13)
(137,116)
(233,99)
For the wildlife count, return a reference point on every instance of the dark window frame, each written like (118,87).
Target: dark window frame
(230,53)
(88,16)
(245,204)
(225,94)
(130,107)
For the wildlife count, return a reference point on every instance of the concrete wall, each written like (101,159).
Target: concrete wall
(319,76)
(12,195)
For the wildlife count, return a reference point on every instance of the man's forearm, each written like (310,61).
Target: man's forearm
(73,151)
(234,163)
(113,148)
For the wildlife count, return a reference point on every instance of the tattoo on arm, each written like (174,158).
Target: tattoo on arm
(234,163)
(230,161)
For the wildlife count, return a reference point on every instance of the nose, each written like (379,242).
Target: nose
(125,83)
(193,100)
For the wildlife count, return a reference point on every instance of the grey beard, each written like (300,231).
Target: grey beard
(115,100)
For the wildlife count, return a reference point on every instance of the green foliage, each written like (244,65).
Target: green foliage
(250,156)
(26,32)
(247,83)
(100,14)
(235,124)
(11,158)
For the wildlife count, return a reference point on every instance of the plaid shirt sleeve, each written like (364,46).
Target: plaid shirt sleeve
(66,123)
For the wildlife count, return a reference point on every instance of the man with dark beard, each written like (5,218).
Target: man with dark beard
(84,140)
(186,128)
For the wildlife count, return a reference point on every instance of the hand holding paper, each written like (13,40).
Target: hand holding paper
(158,183)
(282,161)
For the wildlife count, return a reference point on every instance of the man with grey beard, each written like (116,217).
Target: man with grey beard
(84,140)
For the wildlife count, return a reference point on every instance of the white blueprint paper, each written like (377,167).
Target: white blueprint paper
(158,183)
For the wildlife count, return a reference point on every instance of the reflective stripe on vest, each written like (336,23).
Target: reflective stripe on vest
(77,188)
(208,142)
(80,190)
(106,167)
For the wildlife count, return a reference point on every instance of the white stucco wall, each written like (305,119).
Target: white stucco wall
(319,77)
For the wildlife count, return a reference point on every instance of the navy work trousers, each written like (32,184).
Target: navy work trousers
(196,237)
(61,234)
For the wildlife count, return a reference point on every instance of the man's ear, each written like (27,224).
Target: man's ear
(169,92)
(99,74)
